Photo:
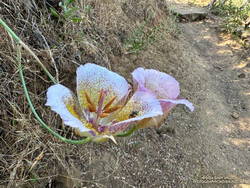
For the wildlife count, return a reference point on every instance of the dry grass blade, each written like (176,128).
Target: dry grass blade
(37,159)
(18,40)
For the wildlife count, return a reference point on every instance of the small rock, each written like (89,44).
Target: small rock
(248,65)
(166,130)
(218,67)
(235,115)
(243,106)
(190,125)
(242,75)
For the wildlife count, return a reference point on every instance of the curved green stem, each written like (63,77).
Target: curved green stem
(18,40)
(9,30)
(128,133)
(42,123)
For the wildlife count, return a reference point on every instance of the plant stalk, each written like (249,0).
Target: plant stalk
(18,40)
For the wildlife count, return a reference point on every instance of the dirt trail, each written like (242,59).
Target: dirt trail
(218,75)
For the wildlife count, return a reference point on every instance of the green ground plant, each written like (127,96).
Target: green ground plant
(142,36)
(235,13)
(139,39)
(68,12)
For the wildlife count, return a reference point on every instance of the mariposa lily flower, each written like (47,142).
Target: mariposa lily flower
(103,106)
(164,87)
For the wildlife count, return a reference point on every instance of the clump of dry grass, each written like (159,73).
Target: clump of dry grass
(30,156)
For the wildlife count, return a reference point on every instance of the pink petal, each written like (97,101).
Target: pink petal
(164,86)
(166,89)
(167,104)
(161,84)
(61,99)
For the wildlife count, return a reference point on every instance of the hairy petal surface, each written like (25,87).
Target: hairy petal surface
(142,105)
(167,104)
(62,101)
(164,86)
(166,89)
(92,79)
(161,84)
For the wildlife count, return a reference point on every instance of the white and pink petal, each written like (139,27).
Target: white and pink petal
(63,102)
(167,104)
(92,79)
(142,105)
(161,84)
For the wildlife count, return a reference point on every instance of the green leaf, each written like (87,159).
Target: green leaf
(76,19)
(68,2)
(70,12)
(54,12)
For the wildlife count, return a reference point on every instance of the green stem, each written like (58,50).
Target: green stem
(128,133)
(9,30)
(18,40)
(44,125)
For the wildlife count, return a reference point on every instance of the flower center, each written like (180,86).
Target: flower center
(99,110)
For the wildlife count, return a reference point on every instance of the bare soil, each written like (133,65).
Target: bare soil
(220,131)
(207,148)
